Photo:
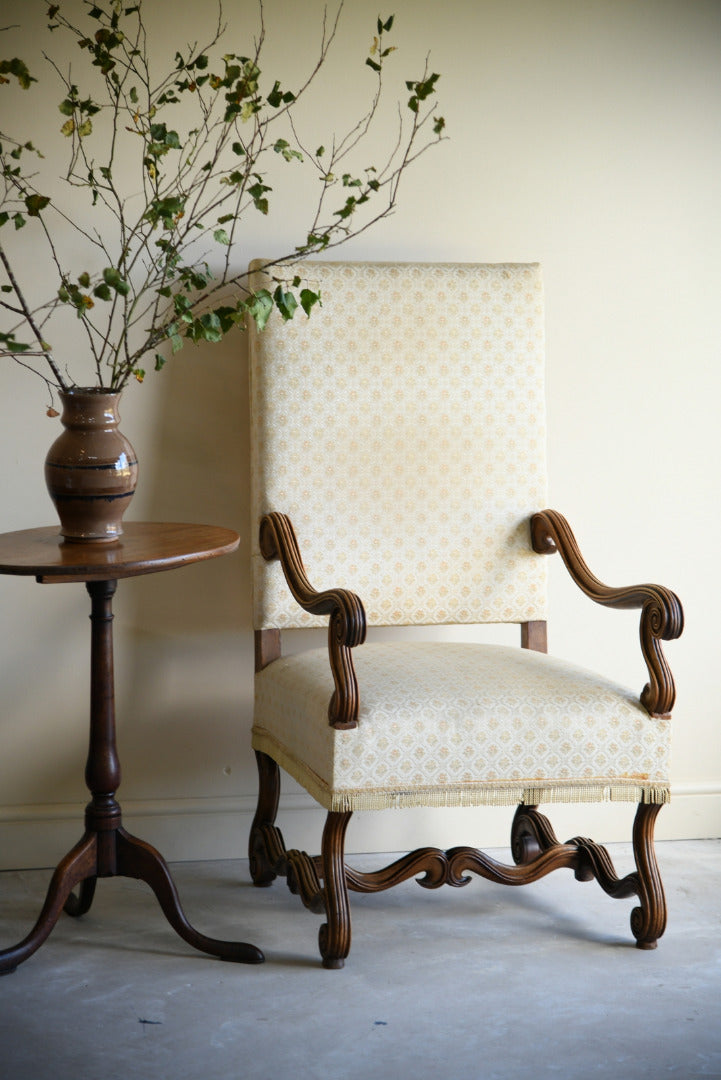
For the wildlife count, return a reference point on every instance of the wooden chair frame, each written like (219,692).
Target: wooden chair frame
(323,882)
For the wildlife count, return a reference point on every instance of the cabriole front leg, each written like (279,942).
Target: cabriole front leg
(335,935)
(648,921)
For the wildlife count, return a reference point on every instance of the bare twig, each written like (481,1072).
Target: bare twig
(30,320)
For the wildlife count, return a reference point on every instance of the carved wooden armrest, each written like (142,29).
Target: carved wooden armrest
(661,611)
(347,626)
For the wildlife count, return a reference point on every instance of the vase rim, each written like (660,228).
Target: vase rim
(77,390)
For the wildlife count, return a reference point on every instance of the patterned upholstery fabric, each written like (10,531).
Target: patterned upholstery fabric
(402,429)
(445,724)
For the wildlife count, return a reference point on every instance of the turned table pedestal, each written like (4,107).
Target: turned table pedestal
(106,849)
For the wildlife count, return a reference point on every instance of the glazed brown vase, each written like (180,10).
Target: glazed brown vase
(91,469)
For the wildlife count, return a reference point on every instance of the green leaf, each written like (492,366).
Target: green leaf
(115,280)
(84,279)
(237,148)
(4,218)
(102,291)
(165,210)
(17,68)
(13,345)
(133,95)
(206,328)
(89,107)
(85,128)
(285,302)
(282,146)
(421,90)
(257,194)
(230,317)
(18,220)
(275,97)
(222,237)
(159,362)
(372,64)
(308,299)
(6,288)
(36,203)
(67,107)
(259,305)
(347,210)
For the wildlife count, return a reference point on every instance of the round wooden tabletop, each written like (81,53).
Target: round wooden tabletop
(143,548)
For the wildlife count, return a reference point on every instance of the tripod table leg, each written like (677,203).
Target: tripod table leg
(138,859)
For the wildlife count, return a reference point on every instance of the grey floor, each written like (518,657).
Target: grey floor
(482,982)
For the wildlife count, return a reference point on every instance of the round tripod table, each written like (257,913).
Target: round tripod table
(106,849)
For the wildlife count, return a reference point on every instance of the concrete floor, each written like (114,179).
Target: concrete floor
(482,982)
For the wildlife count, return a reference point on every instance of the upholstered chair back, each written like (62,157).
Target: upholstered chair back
(402,429)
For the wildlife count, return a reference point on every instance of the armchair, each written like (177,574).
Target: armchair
(400,434)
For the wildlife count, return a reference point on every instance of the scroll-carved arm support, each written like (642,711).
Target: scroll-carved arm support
(347,626)
(661,611)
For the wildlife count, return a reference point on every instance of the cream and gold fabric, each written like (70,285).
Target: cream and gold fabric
(402,430)
(444,724)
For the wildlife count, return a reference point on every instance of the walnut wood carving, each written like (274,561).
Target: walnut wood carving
(334,935)
(661,611)
(648,921)
(323,882)
(531,834)
(347,626)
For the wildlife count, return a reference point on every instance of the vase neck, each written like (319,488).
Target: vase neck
(90,407)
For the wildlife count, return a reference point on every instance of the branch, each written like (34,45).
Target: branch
(31,321)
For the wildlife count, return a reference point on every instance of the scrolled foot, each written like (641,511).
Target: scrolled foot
(331,958)
(261,868)
(643,928)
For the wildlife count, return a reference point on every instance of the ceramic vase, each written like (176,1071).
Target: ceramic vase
(91,469)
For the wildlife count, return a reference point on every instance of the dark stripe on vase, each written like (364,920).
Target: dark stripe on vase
(63,497)
(80,465)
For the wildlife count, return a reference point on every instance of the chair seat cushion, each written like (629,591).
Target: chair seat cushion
(458,724)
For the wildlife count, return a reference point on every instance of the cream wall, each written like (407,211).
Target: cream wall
(585,135)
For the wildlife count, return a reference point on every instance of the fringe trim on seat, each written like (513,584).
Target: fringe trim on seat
(488,793)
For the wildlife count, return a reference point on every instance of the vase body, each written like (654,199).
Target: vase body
(91,470)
